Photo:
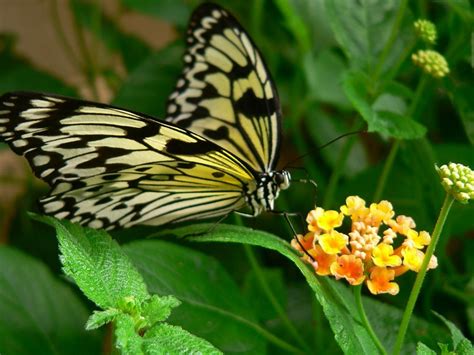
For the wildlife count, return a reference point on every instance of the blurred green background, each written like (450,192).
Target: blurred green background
(128,53)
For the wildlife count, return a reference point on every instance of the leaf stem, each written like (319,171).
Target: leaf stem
(271,297)
(365,320)
(448,201)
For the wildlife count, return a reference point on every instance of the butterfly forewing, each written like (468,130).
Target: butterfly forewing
(114,168)
(226,93)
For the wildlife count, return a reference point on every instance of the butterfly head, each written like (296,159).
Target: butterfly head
(282,179)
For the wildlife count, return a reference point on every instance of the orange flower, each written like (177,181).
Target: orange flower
(367,246)
(349,267)
(379,281)
(323,260)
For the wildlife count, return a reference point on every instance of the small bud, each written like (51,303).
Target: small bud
(426,30)
(457,180)
(431,62)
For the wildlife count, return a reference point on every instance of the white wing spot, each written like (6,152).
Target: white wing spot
(53,206)
(96,224)
(188,59)
(47,172)
(20,143)
(4,112)
(4,120)
(216,13)
(172,108)
(41,103)
(41,160)
(9,104)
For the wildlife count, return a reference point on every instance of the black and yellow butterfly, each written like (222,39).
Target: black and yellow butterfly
(216,152)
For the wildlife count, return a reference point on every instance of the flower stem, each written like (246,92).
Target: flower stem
(448,201)
(365,320)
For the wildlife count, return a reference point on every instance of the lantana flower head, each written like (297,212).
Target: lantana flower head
(378,247)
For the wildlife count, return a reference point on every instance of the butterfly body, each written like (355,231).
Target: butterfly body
(112,168)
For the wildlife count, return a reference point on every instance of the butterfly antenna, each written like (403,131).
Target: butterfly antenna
(324,146)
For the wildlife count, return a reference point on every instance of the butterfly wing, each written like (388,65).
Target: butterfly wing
(110,167)
(226,93)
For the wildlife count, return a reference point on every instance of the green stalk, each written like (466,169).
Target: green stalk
(448,201)
(396,144)
(272,298)
(365,320)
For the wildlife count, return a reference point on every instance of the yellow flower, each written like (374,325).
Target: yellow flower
(417,240)
(383,255)
(381,212)
(412,258)
(379,281)
(363,254)
(333,242)
(355,207)
(350,268)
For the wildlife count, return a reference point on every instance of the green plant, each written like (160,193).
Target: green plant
(339,66)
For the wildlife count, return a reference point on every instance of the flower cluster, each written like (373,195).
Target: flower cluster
(426,30)
(432,62)
(457,180)
(368,252)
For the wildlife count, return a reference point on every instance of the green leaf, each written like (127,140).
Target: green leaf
(422,349)
(381,121)
(324,74)
(128,340)
(169,339)
(177,12)
(147,88)
(362,28)
(39,314)
(336,301)
(158,309)
(16,73)
(97,264)
(253,291)
(209,296)
(456,335)
(99,318)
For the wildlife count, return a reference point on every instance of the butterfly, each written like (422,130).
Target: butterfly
(216,151)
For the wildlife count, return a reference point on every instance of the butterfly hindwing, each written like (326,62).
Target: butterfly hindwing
(114,168)
(226,93)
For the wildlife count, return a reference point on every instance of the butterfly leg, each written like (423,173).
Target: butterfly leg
(295,235)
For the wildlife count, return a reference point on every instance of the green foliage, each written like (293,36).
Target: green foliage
(339,66)
(106,276)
